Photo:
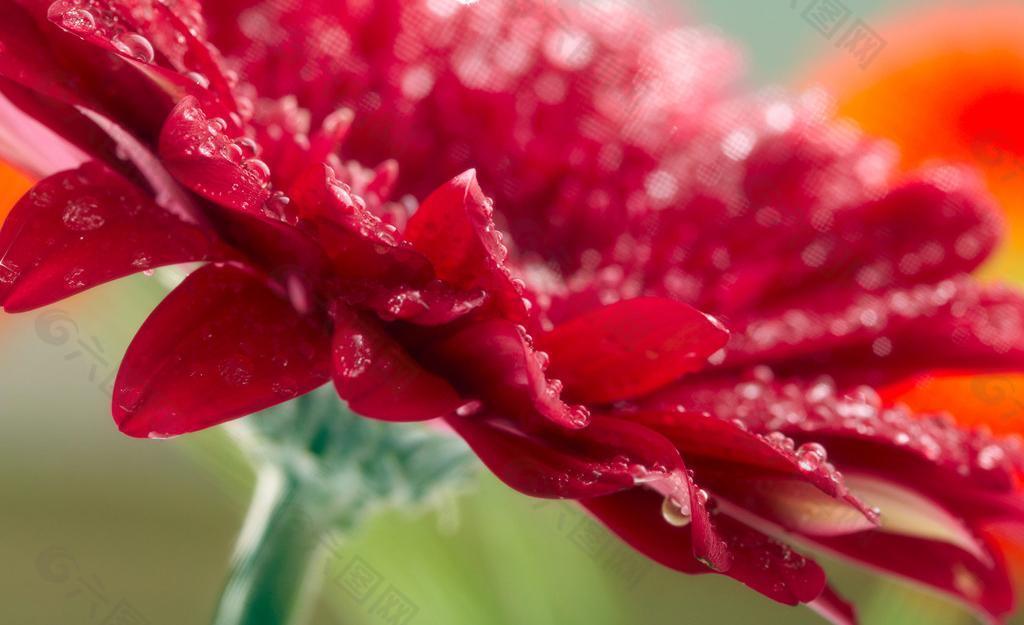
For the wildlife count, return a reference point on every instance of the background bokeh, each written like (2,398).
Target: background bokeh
(94,524)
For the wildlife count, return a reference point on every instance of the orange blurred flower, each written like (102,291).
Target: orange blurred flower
(949,85)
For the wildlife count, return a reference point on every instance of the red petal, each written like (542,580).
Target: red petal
(630,348)
(454,228)
(221,346)
(981,329)
(78,229)
(495,362)
(758,561)
(399,283)
(766,475)
(954,466)
(379,379)
(607,456)
(207,161)
(984,587)
(935,226)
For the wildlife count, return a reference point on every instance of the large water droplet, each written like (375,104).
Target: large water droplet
(232,153)
(198,78)
(78,20)
(259,169)
(135,46)
(810,456)
(250,149)
(674,514)
(276,205)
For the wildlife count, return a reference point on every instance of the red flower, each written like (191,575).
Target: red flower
(634,193)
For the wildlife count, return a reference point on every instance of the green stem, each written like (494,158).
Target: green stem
(270,582)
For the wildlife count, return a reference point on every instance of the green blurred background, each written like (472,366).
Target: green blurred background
(99,529)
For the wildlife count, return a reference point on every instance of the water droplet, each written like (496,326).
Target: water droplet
(73,279)
(259,169)
(468,409)
(135,46)
(250,149)
(198,78)
(232,153)
(235,371)
(276,205)
(990,457)
(83,215)
(810,456)
(216,125)
(78,20)
(674,514)
(354,358)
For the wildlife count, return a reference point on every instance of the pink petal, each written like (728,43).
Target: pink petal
(221,346)
(379,379)
(630,348)
(78,229)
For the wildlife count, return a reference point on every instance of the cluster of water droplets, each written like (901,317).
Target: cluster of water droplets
(781,410)
(89,18)
(577,415)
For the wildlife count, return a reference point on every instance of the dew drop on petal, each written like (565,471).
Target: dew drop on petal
(259,169)
(232,153)
(276,205)
(673,513)
(249,148)
(810,456)
(198,78)
(83,215)
(135,46)
(355,359)
(73,279)
(235,371)
(78,20)
(468,409)
(216,125)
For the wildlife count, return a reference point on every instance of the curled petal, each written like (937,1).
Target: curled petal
(454,228)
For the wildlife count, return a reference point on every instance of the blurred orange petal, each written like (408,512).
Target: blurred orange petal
(13,185)
(949,85)
(995,401)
